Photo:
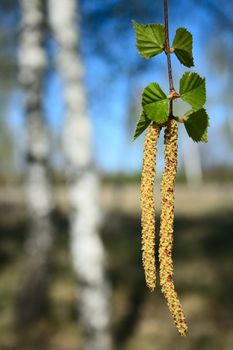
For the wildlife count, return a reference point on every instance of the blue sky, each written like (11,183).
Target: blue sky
(108,105)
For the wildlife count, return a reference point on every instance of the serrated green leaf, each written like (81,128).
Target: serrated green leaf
(155,103)
(183,46)
(150,39)
(192,90)
(197,125)
(142,124)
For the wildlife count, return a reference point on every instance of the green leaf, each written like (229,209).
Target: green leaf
(183,45)
(192,90)
(142,124)
(150,39)
(197,125)
(155,103)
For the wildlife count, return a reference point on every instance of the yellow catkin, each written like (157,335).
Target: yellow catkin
(148,205)
(167,227)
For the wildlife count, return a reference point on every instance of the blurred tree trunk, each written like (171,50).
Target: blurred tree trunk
(86,246)
(192,162)
(32,298)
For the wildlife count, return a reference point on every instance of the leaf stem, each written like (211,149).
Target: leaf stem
(180,119)
(167,51)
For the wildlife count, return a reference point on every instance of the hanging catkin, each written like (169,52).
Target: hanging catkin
(148,205)
(167,226)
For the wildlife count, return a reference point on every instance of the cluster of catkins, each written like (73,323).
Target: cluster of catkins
(167,217)
(157,113)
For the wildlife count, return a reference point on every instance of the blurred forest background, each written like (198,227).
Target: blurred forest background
(70,260)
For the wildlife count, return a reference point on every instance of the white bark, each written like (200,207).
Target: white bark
(32,64)
(192,163)
(86,246)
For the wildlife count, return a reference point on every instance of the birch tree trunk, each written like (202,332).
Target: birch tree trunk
(192,162)
(86,246)
(32,298)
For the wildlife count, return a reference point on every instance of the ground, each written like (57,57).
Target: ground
(203,274)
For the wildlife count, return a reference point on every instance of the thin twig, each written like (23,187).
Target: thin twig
(167,46)
(167,51)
